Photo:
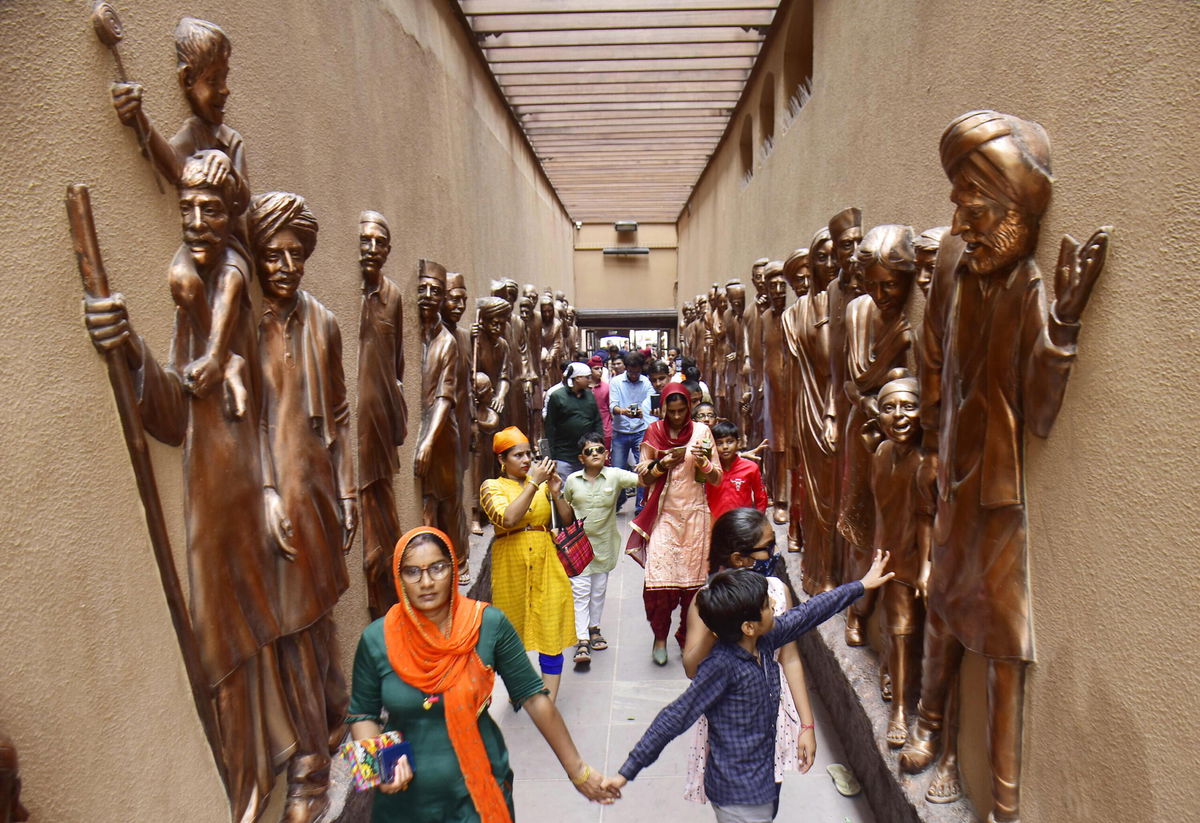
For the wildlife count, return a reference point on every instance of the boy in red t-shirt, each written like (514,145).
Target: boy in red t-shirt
(742,483)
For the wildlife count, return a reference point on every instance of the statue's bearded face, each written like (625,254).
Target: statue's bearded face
(996,235)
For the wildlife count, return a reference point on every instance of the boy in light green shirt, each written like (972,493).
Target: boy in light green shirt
(593,494)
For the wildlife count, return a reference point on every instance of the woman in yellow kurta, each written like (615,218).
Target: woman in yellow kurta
(528,581)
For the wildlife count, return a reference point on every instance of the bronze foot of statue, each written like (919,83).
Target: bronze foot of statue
(919,751)
(885,688)
(945,786)
(476,528)
(304,809)
(781,515)
(897,729)
(794,545)
(855,636)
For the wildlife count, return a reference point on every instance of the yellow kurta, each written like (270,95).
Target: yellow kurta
(528,581)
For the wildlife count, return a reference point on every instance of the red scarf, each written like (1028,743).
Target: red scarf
(658,436)
(448,665)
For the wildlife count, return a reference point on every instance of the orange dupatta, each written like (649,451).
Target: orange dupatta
(436,664)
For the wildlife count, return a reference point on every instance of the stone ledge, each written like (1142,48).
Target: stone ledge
(848,679)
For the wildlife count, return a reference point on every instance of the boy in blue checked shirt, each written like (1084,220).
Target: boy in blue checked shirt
(737,688)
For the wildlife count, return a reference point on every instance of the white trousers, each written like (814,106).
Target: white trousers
(588,590)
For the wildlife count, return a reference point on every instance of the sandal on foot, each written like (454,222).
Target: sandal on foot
(597,641)
(582,656)
(843,780)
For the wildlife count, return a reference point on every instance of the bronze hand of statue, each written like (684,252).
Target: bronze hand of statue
(423,456)
(127,100)
(201,375)
(236,395)
(107,322)
(497,404)
(745,404)
(831,432)
(1076,274)
(349,523)
(278,524)
(731,357)
(217,168)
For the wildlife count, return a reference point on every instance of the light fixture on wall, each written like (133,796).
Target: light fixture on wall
(625,225)
(623,250)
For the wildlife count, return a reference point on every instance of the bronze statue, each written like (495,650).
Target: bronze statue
(687,315)
(926,245)
(453,309)
(235,522)
(704,339)
(307,425)
(382,411)
(491,376)
(796,273)
(752,364)
(903,487)
(776,390)
(735,295)
(994,361)
(436,459)
(552,341)
(11,810)
(878,339)
(531,380)
(807,333)
(718,347)
(202,50)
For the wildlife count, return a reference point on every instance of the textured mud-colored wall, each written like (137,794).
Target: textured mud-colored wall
(367,104)
(1112,714)
(641,281)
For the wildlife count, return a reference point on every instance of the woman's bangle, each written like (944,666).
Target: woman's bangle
(583,775)
(806,727)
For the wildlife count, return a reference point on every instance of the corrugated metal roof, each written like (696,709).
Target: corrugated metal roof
(623,101)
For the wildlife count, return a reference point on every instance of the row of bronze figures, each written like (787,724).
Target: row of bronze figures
(254,391)
(909,438)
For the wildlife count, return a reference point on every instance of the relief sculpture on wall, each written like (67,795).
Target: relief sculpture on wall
(994,362)
(11,810)
(382,424)
(307,426)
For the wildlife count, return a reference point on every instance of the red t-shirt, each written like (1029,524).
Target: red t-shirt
(741,485)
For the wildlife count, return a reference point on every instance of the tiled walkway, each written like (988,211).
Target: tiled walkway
(609,705)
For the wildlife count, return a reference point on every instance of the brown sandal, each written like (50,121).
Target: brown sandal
(582,656)
(597,641)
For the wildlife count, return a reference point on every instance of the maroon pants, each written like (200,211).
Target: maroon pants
(659,605)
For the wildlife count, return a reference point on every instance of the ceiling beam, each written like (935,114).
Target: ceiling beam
(475,7)
(693,115)
(564,65)
(621,37)
(642,19)
(653,51)
(600,78)
(731,86)
(625,107)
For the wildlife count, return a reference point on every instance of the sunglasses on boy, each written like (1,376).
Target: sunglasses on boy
(592,451)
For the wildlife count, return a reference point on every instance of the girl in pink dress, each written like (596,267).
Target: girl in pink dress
(744,538)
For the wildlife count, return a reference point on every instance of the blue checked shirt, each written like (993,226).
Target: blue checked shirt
(740,697)
(623,394)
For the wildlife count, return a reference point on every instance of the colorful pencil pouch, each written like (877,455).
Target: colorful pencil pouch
(364,758)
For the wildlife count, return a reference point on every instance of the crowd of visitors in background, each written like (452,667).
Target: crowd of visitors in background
(618,424)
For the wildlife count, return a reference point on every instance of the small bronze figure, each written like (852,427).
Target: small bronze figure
(752,364)
(735,295)
(903,487)
(552,341)
(776,390)
(436,459)
(202,50)
(994,361)
(453,309)
(927,244)
(307,425)
(491,376)
(382,411)
(796,273)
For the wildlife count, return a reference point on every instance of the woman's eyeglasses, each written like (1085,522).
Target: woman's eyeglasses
(593,451)
(437,571)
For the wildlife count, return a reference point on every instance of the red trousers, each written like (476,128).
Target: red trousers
(659,605)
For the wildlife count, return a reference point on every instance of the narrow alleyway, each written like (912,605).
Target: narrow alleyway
(608,706)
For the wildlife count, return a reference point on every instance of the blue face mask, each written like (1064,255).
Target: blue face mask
(766,567)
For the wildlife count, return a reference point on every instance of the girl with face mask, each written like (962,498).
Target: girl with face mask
(744,538)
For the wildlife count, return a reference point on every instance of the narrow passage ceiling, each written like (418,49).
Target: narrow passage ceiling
(622,100)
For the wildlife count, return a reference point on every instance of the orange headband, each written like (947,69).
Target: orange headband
(505,439)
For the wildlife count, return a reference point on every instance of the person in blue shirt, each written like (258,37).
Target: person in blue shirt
(629,400)
(737,688)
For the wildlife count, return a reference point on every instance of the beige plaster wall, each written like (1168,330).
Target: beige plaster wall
(366,104)
(641,281)
(1112,711)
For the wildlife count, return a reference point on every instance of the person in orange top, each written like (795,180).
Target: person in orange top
(432,662)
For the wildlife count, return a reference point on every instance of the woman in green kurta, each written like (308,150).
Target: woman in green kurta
(459,772)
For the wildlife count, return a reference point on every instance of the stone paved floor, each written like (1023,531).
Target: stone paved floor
(608,706)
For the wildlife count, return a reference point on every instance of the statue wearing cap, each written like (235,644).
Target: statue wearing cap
(552,346)
(752,362)
(878,339)
(731,322)
(927,244)
(777,385)
(454,306)
(796,273)
(491,376)
(1000,361)
(435,463)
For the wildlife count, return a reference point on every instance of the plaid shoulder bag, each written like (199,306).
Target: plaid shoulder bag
(574,548)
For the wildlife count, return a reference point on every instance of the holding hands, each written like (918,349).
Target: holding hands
(596,787)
